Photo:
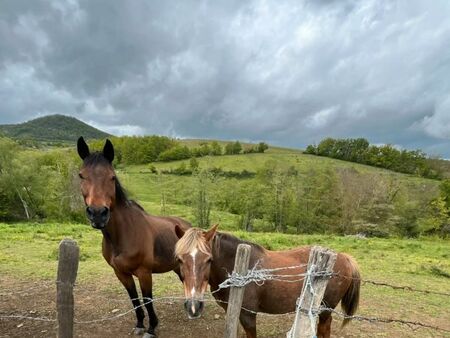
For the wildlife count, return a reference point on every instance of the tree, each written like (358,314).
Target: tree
(201,201)
(176,153)
(262,147)
(193,164)
(237,148)
(216,149)
(229,149)
(311,149)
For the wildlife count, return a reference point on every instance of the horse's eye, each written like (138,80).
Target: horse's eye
(80,176)
(113,178)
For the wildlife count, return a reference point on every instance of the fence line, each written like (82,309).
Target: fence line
(408,323)
(406,288)
(257,276)
(411,324)
(254,275)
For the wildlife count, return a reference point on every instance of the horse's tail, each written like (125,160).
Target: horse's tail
(350,301)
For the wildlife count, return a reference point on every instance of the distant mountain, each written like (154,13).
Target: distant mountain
(52,128)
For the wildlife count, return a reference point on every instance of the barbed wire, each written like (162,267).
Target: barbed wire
(254,275)
(259,277)
(403,287)
(170,300)
(299,305)
(411,324)
(40,319)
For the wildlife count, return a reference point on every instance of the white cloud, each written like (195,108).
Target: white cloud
(322,118)
(438,124)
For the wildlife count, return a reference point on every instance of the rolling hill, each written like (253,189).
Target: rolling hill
(51,128)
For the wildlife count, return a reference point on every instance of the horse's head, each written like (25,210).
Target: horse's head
(98,182)
(194,254)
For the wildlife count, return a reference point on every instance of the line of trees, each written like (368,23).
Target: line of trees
(146,149)
(44,185)
(359,150)
(339,201)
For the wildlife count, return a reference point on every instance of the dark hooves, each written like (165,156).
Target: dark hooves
(149,335)
(138,331)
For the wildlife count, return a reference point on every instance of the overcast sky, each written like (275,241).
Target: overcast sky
(286,72)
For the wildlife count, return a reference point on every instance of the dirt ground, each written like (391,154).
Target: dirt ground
(37,299)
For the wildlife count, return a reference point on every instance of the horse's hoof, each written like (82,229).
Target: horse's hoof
(138,331)
(149,335)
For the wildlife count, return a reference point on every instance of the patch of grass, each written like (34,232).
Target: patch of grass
(437,271)
(418,263)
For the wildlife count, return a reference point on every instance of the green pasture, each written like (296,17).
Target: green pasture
(28,251)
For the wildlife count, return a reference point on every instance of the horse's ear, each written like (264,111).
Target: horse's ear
(209,235)
(180,232)
(82,147)
(108,151)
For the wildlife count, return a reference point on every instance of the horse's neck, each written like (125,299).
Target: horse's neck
(224,254)
(117,232)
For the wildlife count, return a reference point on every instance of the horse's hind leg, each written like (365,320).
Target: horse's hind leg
(128,282)
(145,281)
(248,322)
(324,327)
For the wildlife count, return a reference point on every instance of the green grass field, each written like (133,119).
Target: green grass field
(28,253)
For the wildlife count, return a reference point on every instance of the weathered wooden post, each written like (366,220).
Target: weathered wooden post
(236,293)
(322,260)
(67,274)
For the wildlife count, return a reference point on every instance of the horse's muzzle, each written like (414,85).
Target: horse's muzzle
(98,217)
(193,308)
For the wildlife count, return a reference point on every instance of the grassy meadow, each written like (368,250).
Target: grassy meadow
(28,253)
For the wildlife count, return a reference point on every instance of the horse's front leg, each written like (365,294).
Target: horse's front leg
(145,281)
(128,282)
(248,322)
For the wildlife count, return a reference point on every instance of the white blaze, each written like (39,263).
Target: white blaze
(193,254)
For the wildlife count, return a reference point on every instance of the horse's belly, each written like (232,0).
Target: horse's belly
(273,297)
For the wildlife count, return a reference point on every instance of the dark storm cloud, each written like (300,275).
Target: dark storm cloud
(288,72)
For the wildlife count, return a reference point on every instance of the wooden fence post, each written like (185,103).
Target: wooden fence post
(323,260)
(236,293)
(67,274)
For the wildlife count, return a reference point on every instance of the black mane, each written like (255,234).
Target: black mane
(96,158)
(234,241)
(122,199)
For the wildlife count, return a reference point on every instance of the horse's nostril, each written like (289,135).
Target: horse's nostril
(104,212)
(89,211)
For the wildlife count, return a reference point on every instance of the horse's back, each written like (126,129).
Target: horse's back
(277,296)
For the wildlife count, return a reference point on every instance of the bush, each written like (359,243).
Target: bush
(176,153)
(358,150)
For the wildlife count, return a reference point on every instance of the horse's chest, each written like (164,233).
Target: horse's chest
(125,262)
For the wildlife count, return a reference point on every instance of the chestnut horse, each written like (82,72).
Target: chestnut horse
(208,256)
(134,243)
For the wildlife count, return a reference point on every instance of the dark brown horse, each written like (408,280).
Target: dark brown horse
(134,243)
(208,256)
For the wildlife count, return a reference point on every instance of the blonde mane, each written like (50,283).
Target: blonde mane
(192,239)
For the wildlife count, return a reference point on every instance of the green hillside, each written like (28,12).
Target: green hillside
(322,194)
(51,128)
(280,190)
